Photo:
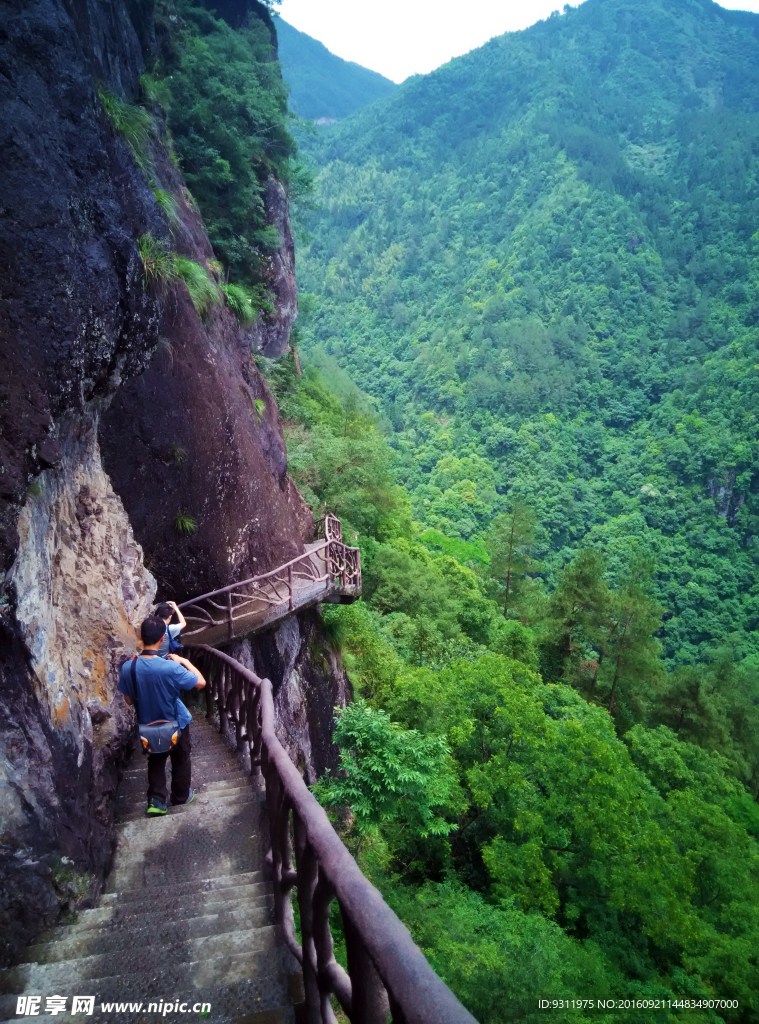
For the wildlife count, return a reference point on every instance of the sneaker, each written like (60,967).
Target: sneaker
(189,799)
(156,807)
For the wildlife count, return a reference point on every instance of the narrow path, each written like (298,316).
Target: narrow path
(186,913)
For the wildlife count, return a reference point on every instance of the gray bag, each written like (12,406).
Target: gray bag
(159,737)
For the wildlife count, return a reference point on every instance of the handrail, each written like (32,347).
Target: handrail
(255,579)
(329,567)
(387,972)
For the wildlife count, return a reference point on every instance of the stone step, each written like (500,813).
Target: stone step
(153,893)
(213,760)
(233,783)
(53,977)
(235,985)
(204,798)
(158,929)
(119,916)
(201,774)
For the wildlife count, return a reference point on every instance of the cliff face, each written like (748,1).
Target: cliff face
(119,409)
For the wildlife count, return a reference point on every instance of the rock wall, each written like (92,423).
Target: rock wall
(93,362)
(79,585)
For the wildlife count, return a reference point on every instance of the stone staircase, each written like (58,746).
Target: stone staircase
(186,914)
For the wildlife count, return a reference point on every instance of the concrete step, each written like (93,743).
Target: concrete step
(52,977)
(158,929)
(235,985)
(217,885)
(187,914)
(133,915)
(204,798)
(233,783)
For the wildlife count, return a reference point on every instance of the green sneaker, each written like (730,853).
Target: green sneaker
(156,807)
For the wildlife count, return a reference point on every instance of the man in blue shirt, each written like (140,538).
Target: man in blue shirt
(155,689)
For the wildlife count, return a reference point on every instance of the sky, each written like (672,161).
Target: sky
(399,38)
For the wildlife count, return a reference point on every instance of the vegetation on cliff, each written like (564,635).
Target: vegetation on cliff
(226,110)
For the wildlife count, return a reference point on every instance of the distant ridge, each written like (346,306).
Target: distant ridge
(323,86)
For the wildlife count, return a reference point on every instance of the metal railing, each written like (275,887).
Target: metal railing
(387,973)
(329,567)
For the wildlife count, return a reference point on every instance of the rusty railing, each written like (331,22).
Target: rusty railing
(329,567)
(387,973)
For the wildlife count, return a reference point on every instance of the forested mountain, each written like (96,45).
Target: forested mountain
(528,388)
(531,364)
(323,85)
(541,260)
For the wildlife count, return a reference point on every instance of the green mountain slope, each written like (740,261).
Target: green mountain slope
(541,259)
(321,84)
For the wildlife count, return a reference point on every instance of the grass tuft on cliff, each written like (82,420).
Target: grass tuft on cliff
(203,291)
(158,262)
(167,202)
(132,122)
(241,302)
(185,524)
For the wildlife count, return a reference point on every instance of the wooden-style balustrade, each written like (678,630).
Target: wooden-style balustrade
(387,973)
(329,570)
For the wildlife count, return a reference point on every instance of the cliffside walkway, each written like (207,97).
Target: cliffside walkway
(187,914)
(328,571)
(198,907)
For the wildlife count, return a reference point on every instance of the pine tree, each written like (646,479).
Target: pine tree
(575,617)
(510,541)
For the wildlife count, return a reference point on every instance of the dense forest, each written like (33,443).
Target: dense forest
(531,283)
(529,351)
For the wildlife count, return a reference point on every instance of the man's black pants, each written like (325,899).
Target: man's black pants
(180,772)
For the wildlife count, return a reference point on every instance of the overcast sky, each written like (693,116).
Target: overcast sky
(399,38)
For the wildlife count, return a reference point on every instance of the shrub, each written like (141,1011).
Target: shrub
(185,524)
(240,301)
(260,405)
(158,262)
(203,291)
(132,122)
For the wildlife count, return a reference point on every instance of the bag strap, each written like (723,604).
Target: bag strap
(133,669)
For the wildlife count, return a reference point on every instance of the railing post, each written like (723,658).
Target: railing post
(209,688)
(307,876)
(254,730)
(369,1001)
(239,707)
(221,699)
(290,585)
(230,621)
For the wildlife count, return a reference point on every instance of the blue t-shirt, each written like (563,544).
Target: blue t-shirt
(159,683)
